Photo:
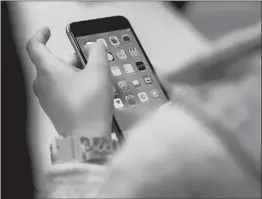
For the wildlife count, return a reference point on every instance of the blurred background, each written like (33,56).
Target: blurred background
(171,33)
(215,19)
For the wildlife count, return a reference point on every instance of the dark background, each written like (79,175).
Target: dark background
(15,162)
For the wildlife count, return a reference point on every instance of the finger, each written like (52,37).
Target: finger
(97,57)
(36,84)
(72,60)
(35,88)
(42,58)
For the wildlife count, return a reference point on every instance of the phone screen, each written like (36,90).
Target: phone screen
(137,89)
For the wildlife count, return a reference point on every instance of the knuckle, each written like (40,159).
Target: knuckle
(36,87)
(29,45)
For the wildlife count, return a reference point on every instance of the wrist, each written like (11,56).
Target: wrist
(80,148)
(92,130)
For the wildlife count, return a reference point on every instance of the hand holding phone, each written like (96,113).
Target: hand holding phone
(138,91)
(77,102)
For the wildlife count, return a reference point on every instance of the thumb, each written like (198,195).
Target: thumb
(40,55)
(97,58)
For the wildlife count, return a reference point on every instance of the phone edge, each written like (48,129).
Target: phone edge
(74,44)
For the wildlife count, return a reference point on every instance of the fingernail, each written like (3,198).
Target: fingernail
(46,31)
(88,43)
(46,27)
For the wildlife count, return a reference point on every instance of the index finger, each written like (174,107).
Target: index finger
(97,57)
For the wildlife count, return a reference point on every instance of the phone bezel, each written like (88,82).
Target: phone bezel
(101,25)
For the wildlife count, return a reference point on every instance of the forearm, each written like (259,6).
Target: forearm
(175,157)
(154,156)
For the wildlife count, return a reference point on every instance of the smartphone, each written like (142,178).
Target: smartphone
(138,90)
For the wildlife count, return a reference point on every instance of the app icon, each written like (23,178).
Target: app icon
(155,93)
(121,54)
(128,68)
(133,52)
(140,65)
(143,97)
(130,99)
(110,57)
(116,71)
(136,83)
(118,103)
(123,85)
(103,41)
(114,41)
(126,38)
(148,80)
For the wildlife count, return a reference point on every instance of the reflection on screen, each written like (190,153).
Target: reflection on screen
(137,91)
